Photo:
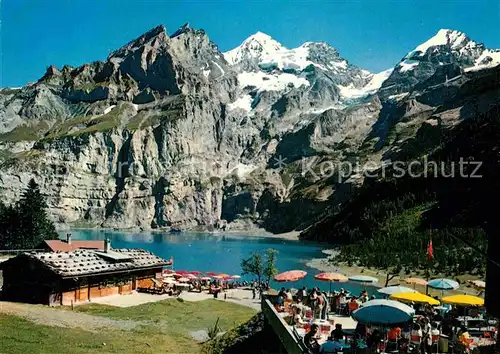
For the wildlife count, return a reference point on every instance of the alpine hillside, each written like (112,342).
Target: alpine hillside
(170,132)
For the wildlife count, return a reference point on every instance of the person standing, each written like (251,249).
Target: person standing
(326,307)
(312,302)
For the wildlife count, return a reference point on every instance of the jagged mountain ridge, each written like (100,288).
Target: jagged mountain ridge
(167,132)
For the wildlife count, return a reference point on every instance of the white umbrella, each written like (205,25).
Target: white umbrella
(183,280)
(391,290)
(363,279)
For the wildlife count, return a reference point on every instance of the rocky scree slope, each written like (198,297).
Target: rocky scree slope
(169,131)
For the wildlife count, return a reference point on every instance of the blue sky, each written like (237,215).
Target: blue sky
(371,34)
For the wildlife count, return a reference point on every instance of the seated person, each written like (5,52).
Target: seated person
(310,339)
(374,339)
(338,333)
(297,319)
(353,305)
(394,334)
(464,336)
(330,346)
(361,330)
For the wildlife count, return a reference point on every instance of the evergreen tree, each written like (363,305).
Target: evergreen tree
(34,221)
(26,224)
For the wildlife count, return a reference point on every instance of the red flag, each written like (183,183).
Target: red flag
(430,251)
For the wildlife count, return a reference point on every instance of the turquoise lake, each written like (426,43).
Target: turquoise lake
(221,253)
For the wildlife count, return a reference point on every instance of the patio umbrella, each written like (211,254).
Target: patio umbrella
(390,290)
(415,297)
(291,275)
(443,284)
(463,300)
(183,280)
(168,275)
(235,276)
(363,279)
(331,277)
(478,284)
(211,274)
(205,278)
(222,276)
(416,281)
(168,271)
(195,272)
(191,276)
(383,313)
(182,272)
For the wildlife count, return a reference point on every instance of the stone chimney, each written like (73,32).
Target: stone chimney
(68,239)
(107,245)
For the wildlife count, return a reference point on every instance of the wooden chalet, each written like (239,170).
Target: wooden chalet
(65,278)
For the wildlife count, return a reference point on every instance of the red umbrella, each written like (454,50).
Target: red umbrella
(291,275)
(190,276)
(181,271)
(168,271)
(211,274)
(195,272)
(222,276)
(330,277)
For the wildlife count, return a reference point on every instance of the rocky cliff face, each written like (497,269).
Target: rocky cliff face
(170,132)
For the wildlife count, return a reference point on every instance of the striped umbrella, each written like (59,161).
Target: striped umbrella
(291,275)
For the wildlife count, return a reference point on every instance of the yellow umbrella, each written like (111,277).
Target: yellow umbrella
(463,300)
(415,297)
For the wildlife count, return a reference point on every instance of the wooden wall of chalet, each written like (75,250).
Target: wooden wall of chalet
(26,280)
(95,287)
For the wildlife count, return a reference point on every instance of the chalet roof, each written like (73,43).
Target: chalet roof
(82,263)
(64,246)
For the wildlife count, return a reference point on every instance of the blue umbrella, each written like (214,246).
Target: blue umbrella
(363,279)
(383,312)
(443,284)
(391,290)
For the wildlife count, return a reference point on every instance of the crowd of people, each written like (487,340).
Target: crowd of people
(422,334)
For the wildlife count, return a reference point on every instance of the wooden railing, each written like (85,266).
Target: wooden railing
(280,327)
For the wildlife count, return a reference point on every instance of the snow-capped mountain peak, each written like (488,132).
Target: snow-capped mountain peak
(254,47)
(446,37)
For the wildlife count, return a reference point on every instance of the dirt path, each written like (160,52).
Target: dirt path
(62,318)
